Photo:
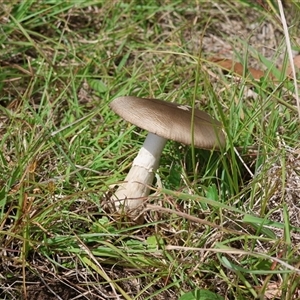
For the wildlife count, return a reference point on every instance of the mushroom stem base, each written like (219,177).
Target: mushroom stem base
(131,193)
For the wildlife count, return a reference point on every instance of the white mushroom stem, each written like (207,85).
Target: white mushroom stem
(131,193)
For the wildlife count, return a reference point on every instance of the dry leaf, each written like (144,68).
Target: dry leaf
(296,60)
(237,68)
(273,291)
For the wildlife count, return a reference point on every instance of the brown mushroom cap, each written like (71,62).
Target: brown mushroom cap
(170,120)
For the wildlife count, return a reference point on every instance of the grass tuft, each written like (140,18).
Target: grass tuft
(217,224)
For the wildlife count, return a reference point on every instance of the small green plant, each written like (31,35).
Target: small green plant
(198,294)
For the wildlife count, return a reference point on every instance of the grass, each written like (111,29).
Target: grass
(220,222)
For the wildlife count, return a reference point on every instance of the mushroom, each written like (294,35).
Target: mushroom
(163,120)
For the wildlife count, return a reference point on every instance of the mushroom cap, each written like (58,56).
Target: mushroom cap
(170,120)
